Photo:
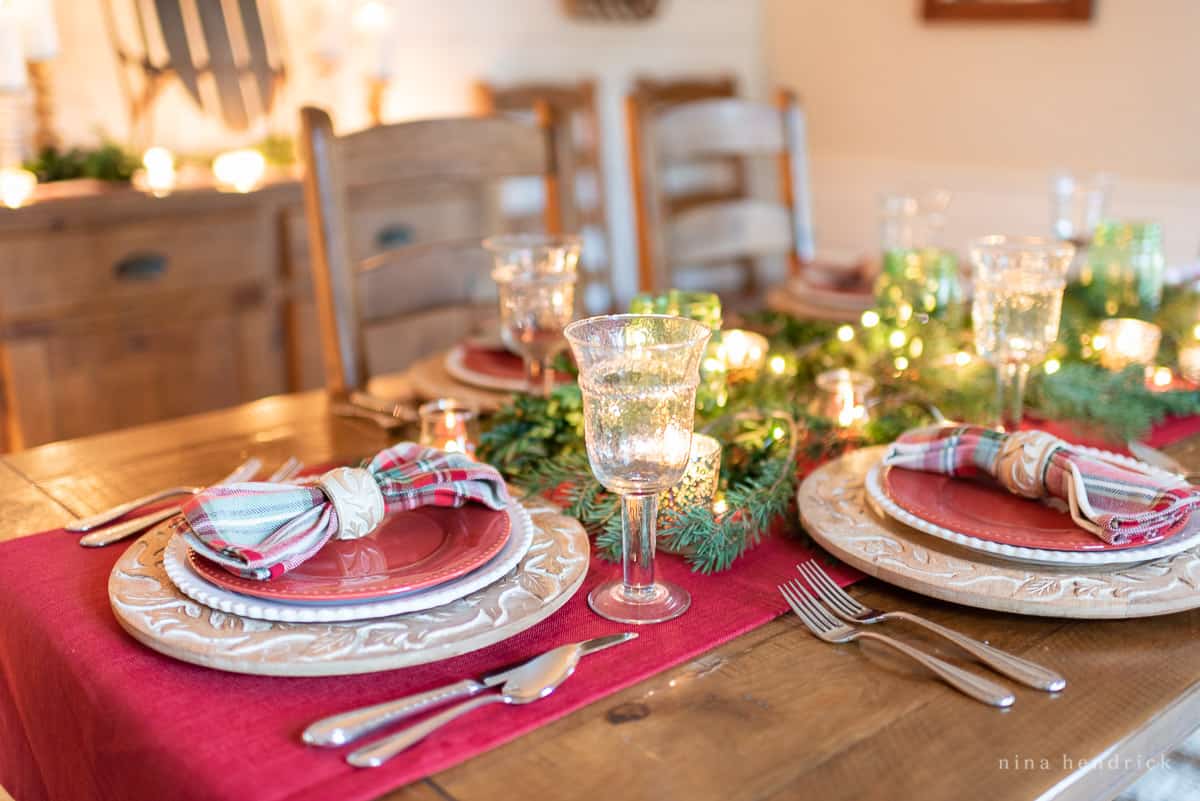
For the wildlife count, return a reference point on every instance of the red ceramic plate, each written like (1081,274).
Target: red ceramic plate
(991,513)
(496,362)
(409,551)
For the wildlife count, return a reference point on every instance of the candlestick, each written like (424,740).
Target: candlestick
(449,425)
(13,76)
(844,397)
(744,353)
(374,20)
(1124,341)
(40,32)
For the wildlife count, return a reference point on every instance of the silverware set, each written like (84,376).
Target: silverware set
(99,533)
(386,414)
(522,684)
(834,616)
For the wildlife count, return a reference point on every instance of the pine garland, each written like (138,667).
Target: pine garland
(767,427)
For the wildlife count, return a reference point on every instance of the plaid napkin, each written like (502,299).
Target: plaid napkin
(1117,503)
(260,530)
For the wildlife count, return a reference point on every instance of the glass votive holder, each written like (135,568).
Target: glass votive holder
(1189,363)
(1124,341)
(699,482)
(698,487)
(844,398)
(744,354)
(449,425)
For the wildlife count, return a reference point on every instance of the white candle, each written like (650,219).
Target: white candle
(13,74)
(40,30)
(374,20)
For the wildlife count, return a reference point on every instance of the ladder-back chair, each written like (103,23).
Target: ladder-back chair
(424,295)
(580,171)
(726,229)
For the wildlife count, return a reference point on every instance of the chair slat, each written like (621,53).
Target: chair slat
(489,147)
(408,279)
(427,293)
(728,230)
(719,127)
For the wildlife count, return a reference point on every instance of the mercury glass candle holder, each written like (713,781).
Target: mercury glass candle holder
(744,354)
(449,425)
(1124,341)
(699,483)
(844,398)
(638,375)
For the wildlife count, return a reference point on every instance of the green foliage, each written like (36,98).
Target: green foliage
(771,431)
(109,162)
(1119,404)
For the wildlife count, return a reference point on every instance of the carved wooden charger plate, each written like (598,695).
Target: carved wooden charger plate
(149,606)
(835,511)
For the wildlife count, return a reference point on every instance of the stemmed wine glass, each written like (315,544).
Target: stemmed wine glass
(1019,284)
(638,374)
(535,275)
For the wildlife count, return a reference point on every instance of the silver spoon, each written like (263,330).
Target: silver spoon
(526,684)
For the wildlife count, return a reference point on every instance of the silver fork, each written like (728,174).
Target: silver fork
(826,627)
(844,606)
(243,471)
(111,534)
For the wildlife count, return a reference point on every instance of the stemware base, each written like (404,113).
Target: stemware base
(664,601)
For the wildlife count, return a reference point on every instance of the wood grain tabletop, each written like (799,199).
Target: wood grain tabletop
(773,714)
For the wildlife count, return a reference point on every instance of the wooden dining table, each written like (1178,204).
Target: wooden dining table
(772,714)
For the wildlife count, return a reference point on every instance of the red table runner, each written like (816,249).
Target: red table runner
(88,713)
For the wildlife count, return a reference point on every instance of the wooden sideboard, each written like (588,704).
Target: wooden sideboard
(120,308)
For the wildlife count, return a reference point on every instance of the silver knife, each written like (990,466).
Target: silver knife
(349,726)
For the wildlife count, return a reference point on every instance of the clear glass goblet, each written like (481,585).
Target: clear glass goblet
(638,374)
(534,307)
(541,253)
(1019,283)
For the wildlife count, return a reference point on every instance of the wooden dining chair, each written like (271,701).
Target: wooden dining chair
(652,96)
(420,296)
(580,171)
(725,229)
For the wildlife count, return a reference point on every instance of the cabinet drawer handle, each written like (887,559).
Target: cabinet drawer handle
(393,236)
(141,267)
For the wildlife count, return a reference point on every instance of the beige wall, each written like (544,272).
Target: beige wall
(990,109)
